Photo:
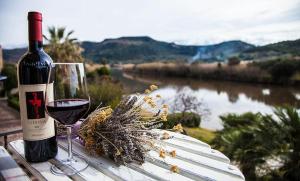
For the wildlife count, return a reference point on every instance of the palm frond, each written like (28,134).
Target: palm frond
(60,33)
(70,32)
(45,37)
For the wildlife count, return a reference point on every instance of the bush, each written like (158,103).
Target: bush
(13,101)
(282,70)
(103,71)
(91,75)
(10,71)
(187,119)
(105,91)
(252,140)
(233,61)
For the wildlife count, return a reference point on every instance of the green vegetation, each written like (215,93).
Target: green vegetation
(105,91)
(13,101)
(288,47)
(255,141)
(280,49)
(277,71)
(91,74)
(187,119)
(206,71)
(103,71)
(135,49)
(10,70)
(61,47)
(202,134)
(281,69)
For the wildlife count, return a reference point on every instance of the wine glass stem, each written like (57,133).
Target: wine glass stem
(69,133)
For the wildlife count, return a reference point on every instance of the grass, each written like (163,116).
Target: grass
(241,72)
(201,134)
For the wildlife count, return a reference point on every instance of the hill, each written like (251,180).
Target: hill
(221,51)
(145,49)
(13,55)
(136,49)
(273,50)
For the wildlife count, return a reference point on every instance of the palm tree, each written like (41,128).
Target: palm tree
(61,47)
(290,119)
(253,140)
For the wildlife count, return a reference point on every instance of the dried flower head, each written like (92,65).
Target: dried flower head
(165,135)
(178,128)
(173,153)
(163,117)
(174,169)
(153,87)
(162,153)
(147,91)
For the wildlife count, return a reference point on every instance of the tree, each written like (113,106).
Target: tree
(253,140)
(61,47)
(290,130)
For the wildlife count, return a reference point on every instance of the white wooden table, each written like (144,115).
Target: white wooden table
(195,160)
(9,169)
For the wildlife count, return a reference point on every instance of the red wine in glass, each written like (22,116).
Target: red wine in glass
(67,101)
(68,111)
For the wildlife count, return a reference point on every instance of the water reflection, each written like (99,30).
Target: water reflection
(219,97)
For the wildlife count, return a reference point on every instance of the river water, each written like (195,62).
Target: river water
(213,98)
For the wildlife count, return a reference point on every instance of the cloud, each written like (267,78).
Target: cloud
(181,21)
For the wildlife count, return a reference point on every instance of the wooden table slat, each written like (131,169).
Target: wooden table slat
(195,160)
(9,169)
(153,171)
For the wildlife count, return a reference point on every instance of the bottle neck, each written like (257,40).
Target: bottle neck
(35,45)
(35,32)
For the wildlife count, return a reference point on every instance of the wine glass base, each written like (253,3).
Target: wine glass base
(69,166)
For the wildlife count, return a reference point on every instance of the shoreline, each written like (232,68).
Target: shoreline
(242,73)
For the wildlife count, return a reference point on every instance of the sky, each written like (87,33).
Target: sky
(188,22)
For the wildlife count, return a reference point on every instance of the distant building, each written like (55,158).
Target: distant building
(1,59)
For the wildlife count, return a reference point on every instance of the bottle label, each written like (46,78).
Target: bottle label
(36,124)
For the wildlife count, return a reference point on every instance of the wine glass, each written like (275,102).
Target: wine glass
(67,101)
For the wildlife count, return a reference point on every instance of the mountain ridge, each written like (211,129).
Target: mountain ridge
(140,49)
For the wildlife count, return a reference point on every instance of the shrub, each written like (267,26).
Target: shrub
(105,91)
(282,70)
(187,119)
(10,71)
(13,101)
(103,71)
(233,61)
(91,75)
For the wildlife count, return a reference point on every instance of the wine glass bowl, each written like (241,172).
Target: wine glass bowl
(70,102)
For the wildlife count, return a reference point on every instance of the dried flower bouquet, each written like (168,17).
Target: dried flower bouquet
(124,134)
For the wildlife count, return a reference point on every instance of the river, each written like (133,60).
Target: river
(213,98)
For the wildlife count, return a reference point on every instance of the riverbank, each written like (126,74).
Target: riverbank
(201,134)
(243,72)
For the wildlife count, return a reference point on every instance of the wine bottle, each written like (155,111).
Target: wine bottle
(33,68)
